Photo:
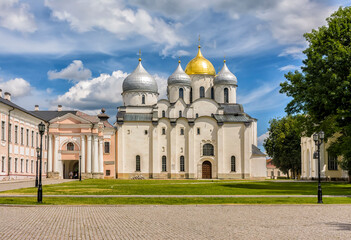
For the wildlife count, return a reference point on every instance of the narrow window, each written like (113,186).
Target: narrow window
(27,161)
(22,136)
(182,131)
(191,95)
(2,130)
(232,164)
(198,131)
(182,164)
(37,140)
(32,166)
(16,134)
(16,164)
(3,164)
(163,131)
(9,165)
(208,150)
(202,92)
(212,93)
(181,93)
(197,115)
(146,132)
(108,172)
(10,133)
(32,139)
(226,95)
(143,99)
(180,114)
(164,164)
(70,146)
(45,167)
(163,113)
(137,163)
(21,165)
(27,137)
(107,147)
(332,162)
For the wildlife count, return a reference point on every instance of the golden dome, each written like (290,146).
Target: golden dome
(200,65)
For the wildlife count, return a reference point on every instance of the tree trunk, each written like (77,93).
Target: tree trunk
(287,174)
(350,176)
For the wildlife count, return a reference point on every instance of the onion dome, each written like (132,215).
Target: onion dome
(140,80)
(225,77)
(179,77)
(200,65)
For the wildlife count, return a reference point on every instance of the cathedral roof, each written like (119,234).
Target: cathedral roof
(140,80)
(179,77)
(225,77)
(200,65)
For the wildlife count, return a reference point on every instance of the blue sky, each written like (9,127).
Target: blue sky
(77,53)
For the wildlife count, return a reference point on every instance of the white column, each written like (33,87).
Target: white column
(89,155)
(82,154)
(56,167)
(95,155)
(50,154)
(101,156)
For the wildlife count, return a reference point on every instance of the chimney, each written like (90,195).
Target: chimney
(0,93)
(36,108)
(7,96)
(59,108)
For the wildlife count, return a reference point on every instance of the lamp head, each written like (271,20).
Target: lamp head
(315,137)
(41,127)
(38,150)
(321,135)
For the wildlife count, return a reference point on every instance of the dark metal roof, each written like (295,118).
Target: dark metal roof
(257,151)
(232,108)
(135,117)
(11,104)
(231,118)
(48,115)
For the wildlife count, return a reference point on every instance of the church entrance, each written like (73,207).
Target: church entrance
(206,170)
(70,169)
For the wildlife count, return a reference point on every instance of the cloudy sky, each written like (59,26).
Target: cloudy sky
(77,52)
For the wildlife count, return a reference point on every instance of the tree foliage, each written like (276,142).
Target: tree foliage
(283,143)
(322,90)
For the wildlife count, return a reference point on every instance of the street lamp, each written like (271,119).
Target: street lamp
(41,127)
(318,139)
(36,166)
(80,168)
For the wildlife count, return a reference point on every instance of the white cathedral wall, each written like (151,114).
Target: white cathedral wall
(174,93)
(198,81)
(135,98)
(219,93)
(205,107)
(178,106)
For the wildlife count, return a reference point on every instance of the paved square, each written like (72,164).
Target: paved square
(176,222)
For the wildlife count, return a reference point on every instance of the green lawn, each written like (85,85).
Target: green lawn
(186,187)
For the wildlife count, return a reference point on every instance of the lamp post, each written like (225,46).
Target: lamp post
(36,167)
(41,127)
(80,168)
(318,139)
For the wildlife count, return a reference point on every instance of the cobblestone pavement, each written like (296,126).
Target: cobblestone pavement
(176,222)
(16,184)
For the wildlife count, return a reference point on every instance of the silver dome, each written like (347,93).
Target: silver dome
(140,80)
(225,77)
(179,77)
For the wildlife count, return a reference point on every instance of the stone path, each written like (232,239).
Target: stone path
(176,222)
(16,184)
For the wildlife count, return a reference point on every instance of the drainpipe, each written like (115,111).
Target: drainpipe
(8,142)
(48,149)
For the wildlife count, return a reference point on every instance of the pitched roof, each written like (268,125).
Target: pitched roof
(11,104)
(48,115)
(257,151)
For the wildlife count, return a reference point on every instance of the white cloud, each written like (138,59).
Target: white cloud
(294,51)
(115,17)
(16,16)
(73,72)
(288,68)
(261,138)
(17,87)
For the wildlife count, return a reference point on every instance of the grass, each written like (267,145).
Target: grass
(169,201)
(187,187)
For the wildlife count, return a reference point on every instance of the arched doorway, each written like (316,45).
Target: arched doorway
(206,170)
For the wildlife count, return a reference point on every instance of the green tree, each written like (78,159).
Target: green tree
(322,90)
(283,143)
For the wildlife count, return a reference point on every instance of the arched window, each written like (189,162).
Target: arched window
(182,164)
(143,99)
(232,164)
(191,95)
(208,150)
(181,93)
(137,163)
(226,95)
(164,164)
(202,92)
(163,113)
(180,113)
(212,93)
(70,146)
